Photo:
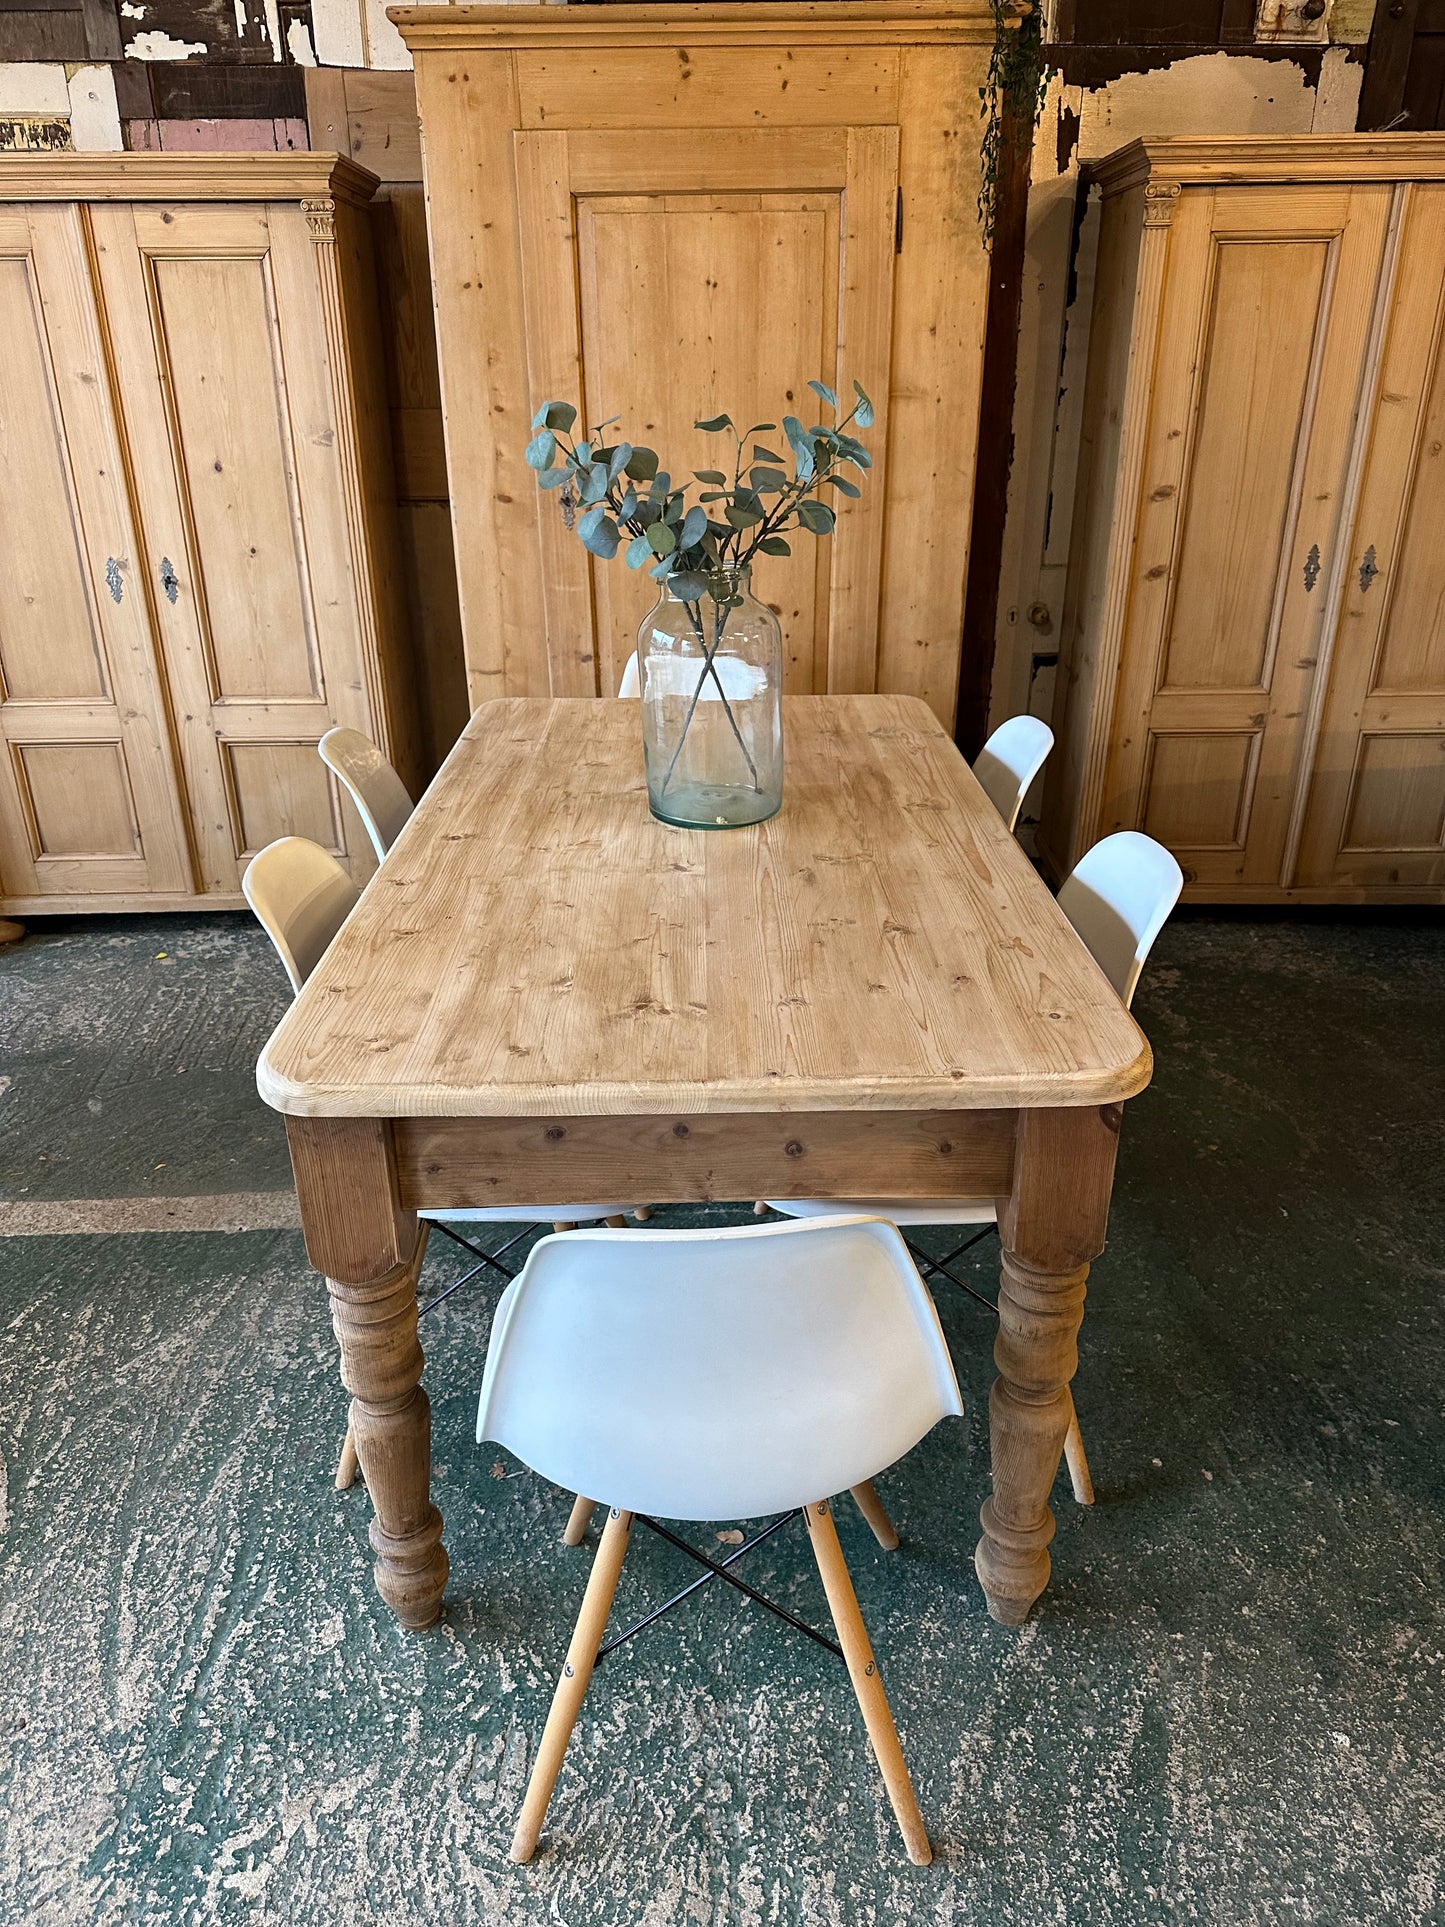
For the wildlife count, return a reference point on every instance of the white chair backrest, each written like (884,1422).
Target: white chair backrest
(302,896)
(677,676)
(377,791)
(1010,760)
(716,1374)
(1118,897)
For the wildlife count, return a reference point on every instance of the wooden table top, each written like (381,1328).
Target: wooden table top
(538,945)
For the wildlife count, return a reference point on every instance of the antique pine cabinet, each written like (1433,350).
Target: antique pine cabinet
(195,518)
(1254,647)
(666,212)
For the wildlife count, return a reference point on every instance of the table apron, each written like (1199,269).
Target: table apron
(476,1161)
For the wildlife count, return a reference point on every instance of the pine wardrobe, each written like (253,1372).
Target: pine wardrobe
(1253,656)
(196,521)
(661,212)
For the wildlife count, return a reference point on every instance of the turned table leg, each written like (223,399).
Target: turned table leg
(370,1250)
(1050,1225)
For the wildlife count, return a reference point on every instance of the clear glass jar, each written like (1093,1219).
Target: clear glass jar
(712,724)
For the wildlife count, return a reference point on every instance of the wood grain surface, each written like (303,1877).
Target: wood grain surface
(538,945)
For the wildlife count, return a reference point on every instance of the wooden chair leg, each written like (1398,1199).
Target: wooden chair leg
(760,1209)
(871,1506)
(863,1670)
(564,1227)
(617,1224)
(579,1520)
(346,1464)
(576,1672)
(642,1213)
(1079,1475)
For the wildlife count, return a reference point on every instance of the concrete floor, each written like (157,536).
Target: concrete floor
(1227,1709)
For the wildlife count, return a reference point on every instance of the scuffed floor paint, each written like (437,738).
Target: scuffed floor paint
(1228,1708)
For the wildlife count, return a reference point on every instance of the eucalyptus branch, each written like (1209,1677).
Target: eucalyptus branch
(678,542)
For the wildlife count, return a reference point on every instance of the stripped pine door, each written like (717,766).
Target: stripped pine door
(1376,817)
(88,800)
(215,317)
(766,262)
(1267,305)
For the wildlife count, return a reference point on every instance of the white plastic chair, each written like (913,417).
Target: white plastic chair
(717,1375)
(738,678)
(1118,898)
(380,796)
(301,897)
(1010,760)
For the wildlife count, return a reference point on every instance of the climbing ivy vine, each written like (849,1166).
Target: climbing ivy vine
(1015,84)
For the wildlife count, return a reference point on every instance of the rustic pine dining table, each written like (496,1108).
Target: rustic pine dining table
(544,992)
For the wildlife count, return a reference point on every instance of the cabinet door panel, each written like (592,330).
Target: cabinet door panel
(651,295)
(1267,304)
(227,392)
(1251,415)
(1376,817)
(215,319)
(88,803)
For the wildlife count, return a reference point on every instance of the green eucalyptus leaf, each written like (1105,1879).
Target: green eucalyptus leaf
(709,475)
(593,485)
(741,515)
(713,495)
(555,414)
(767,455)
(611,422)
(660,487)
(642,464)
(618,460)
(864,412)
(714,424)
(639,550)
(694,527)
(583,453)
(688,585)
(627,507)
(541,449)
(663,538)
(845,486)
(553,477)
(661,570)
(775,545)
(802,444)
(826,393)
(816,517)
(597,532)
(760,428)
(768,481)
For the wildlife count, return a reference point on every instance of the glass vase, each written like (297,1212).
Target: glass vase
(712,727)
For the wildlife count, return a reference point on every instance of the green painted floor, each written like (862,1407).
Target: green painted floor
(1229,1707)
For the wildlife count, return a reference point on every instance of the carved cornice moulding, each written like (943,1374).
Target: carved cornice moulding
(1225,160)
(735,23)
(300,176)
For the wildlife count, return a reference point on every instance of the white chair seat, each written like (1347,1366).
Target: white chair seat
(716,1374)
(529,1213)
(896,1210)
